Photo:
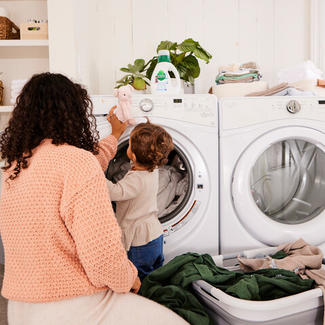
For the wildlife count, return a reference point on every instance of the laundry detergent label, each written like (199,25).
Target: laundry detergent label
(161,75)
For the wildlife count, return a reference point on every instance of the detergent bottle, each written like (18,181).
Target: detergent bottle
(161,81)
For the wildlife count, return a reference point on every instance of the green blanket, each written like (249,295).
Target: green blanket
(170,285)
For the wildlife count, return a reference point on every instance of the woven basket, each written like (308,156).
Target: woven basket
(1,93)
(8,30)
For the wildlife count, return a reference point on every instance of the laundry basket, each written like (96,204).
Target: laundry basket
(305,308)
(8,30)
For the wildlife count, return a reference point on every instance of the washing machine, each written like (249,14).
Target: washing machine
(188,184)
(272,171)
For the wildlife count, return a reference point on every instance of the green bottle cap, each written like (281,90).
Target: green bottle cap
(163,56)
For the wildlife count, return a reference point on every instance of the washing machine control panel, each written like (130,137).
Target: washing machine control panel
(198,109)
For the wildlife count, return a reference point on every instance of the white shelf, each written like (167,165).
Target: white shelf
(24,42)
(6,109)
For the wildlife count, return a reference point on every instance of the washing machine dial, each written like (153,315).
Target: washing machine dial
(146,105)
(293,107)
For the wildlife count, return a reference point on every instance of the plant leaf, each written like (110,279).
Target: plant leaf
(182,70)
(124,78)
(202,54)
(191,63)
(139,84)
(178,58)
(152,66)
(132,68)
(140,75)
(191,80)
(125,69)
(139,64)
(167,45)
(189,45)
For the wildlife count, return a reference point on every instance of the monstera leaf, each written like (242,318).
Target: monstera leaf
(189,45)
(167,45)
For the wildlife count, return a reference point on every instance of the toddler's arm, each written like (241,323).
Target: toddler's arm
(127,188)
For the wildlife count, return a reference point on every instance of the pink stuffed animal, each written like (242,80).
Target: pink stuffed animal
(123,111)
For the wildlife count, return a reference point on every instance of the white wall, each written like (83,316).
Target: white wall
(111,34)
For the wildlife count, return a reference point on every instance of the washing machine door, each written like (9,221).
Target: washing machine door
(279,186)
(184,186)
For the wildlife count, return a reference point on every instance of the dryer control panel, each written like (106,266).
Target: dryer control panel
(196,109)
(241,112)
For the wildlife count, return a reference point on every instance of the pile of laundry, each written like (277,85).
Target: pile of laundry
(295,267)
(235,73)
(173,186)
(283,89)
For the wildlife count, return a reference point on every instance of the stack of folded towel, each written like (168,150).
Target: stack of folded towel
(247,72)
(16,87)
(282,89)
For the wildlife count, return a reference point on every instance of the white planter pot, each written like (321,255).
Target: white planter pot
(188,87)
(138,92)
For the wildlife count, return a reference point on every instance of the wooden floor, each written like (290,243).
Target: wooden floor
(3,301)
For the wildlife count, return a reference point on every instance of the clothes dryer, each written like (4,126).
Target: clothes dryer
(187,201)
(272,172)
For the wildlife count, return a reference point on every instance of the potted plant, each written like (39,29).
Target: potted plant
(135,76)
(184,57)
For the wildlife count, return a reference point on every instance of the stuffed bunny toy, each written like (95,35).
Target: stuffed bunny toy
(123,111)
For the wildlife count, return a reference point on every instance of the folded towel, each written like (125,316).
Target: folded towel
(270,91)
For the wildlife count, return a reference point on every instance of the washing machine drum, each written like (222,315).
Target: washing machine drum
(175,180)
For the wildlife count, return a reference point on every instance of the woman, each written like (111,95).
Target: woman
(64,260)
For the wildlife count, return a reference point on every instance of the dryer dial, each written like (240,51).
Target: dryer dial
(293,107)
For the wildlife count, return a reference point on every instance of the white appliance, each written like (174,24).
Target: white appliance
(272,171)
(192,121)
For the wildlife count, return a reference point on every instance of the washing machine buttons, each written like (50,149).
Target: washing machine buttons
(293,107)
(146,105)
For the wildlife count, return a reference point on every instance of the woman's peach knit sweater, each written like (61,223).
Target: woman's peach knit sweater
(60,235)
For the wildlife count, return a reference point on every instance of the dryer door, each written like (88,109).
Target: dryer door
(279,186)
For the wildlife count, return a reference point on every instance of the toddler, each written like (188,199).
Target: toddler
(136,197)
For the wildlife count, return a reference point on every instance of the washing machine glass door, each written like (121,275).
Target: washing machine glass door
(279,186)
(175,180)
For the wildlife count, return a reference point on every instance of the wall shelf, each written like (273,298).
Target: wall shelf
(24,42)
(6,109)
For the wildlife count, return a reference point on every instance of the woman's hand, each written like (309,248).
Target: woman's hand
(117,126)
(136,285)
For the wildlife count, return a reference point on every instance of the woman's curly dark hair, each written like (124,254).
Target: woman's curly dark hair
(151,145)
(49,106)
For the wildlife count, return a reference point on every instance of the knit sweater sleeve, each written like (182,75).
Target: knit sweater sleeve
(97,237)
(107,149)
